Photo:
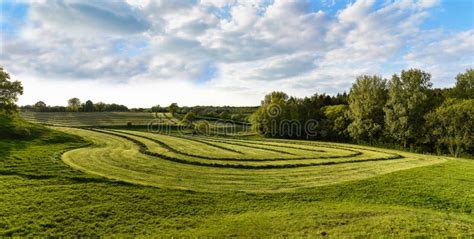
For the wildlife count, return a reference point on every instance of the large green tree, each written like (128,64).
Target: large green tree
(452,125)
(338,120)
(464,88)
(366,101)
(89,106)
(267,119)
(40,106)
(173,108)
(407,104)
(9,91)
(100,106)
(73,104)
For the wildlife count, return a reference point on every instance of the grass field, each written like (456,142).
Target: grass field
(97,118)
(213,164)
(115,182)
(415,195)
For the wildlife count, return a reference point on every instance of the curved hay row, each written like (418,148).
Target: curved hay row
(155,138)
(117,158)
(164,141)
(157,151)
(303,161)
(352,148)
(256,145)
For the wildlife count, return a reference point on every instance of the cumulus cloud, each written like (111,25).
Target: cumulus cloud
(90,16)
(252,47)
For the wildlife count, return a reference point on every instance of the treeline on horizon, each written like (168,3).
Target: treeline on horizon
(236,113)
(403,112)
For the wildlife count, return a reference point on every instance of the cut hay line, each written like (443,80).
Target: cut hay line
(120,159)
(144,149)
(211,144)
(165,145)
(93,118)
(193,155)
(268,144)
(230,142)
(300,142)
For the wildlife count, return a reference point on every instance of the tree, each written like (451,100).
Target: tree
(173,108)
(338,120)
(189,118)
(73,104)
(157,109)
(89,106)
(451,125)
(367,98)
(40,106)
(9,91)
(224,115)
(100,106)
(407,104)
(202,127)
(464,88)
(267,119)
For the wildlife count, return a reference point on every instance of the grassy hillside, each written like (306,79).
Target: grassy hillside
(42,196)
(13,127)
(97,118)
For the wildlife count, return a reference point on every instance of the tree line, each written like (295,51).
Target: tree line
(194,112)
(404,111)
(75,105)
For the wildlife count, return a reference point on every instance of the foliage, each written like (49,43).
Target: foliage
(9,91)
(40,106)
(189,117)
(202,128)
(290,117)
(76,106)
(173,108)
(73,104)
(366,101)
(338,121)
(464,88)
(89,106)
(407,104)
(451,126)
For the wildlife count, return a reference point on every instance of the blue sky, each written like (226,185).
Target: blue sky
(225,52)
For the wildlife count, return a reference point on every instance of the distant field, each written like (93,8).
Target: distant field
(222,164)
(97,118)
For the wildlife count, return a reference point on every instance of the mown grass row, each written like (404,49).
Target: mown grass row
(120,159)
(309,143)
(168,147)
(356,151)
(277,145)
(145,150)
(94,118)
(353,153)
(252,147)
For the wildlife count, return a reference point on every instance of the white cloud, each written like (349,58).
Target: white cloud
(161,48)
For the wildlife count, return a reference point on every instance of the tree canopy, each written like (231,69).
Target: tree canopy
(366,101)
(9,92)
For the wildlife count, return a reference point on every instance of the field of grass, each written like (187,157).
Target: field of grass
(415,195)
(97,118)
(221,164)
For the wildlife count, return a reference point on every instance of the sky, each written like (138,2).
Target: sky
(142,53)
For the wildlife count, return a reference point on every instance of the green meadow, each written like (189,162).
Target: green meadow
(109,182)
